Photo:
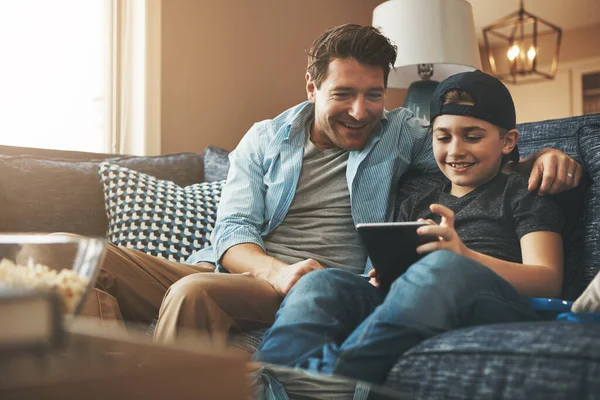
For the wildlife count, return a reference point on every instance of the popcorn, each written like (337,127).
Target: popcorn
(67,283)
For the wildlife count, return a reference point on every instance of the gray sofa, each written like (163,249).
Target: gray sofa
(57,191)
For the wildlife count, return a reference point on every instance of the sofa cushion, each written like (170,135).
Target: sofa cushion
(50,195)
(157,216)
(589,144)
(216,164)
(506,361)
(579,137)
(542,360)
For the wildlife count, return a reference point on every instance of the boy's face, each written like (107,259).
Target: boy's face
(469,150)
(348,105)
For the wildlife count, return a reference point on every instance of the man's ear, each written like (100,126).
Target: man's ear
(310,88)
(510,141)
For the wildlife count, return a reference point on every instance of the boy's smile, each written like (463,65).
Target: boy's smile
(468,151)
(460,166)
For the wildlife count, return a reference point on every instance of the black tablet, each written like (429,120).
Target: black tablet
(392,247)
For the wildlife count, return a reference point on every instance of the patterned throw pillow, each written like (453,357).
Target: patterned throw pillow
(156,216)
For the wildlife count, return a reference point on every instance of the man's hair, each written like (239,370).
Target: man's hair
(458,96)
(365,44)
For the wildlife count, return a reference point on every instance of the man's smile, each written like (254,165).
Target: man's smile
(353,125)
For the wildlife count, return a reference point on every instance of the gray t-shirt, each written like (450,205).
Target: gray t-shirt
(319,223)
(492,218)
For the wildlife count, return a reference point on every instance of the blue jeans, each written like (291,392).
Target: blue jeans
(334,321)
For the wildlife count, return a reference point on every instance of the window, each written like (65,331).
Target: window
(54,74)
(591,93)
(81,75)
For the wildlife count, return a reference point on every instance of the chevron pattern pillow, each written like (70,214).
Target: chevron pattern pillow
(156,216)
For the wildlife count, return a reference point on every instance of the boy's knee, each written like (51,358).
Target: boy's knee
(442,267)
(444,258)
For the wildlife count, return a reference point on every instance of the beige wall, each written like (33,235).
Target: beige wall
(229,63)
(394,98)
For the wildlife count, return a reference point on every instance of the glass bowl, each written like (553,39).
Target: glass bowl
(63,263)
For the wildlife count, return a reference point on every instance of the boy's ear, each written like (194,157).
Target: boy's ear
(310,88)
(510,141)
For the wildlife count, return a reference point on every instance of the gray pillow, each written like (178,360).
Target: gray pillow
(216,164)
(50,195)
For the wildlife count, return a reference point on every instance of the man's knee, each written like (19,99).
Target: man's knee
(326,281)
(191,288)
(333,290)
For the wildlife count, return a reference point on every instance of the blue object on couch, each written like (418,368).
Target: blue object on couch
(579,317)
(549,309)
(560,310)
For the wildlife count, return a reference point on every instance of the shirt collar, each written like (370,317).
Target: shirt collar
(297,123)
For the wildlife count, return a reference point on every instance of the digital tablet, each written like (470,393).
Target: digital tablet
(392,247)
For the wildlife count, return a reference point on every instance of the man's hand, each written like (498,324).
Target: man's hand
(449,239)
(553,171)
(284,278)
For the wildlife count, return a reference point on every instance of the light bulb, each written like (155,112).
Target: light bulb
(531,53)
(513,52)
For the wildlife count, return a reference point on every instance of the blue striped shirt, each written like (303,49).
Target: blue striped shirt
(265,168)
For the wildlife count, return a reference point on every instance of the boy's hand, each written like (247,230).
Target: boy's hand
(373,281)
(448,238)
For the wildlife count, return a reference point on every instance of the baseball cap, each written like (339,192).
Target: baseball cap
(492,100)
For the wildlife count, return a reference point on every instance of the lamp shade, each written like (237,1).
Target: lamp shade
(438,32)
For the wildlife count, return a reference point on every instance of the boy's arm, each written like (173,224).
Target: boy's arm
(550,171)
(540,274)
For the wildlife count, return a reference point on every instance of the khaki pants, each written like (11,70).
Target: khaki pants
(134,286)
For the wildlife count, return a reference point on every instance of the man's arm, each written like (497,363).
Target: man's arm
(250,259)
(240,215)
(236,238)
(551,171)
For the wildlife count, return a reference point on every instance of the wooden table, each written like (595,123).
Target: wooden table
(93,366)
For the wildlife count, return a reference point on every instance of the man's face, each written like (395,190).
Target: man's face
(348,105)
(469,151)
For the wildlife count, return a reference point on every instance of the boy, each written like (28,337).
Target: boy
(498,242)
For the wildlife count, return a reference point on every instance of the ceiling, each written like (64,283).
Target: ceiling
(567,14)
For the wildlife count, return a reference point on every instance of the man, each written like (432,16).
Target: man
(297,185)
